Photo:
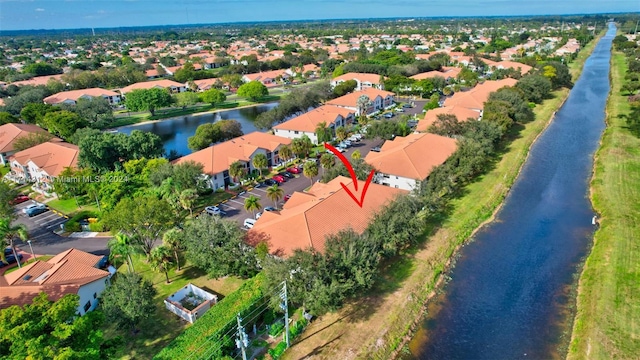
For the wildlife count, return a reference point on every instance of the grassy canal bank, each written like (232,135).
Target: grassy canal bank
(377,325)
(607,324)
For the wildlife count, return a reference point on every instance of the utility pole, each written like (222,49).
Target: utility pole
(284,305)
(636,30)
(242,340)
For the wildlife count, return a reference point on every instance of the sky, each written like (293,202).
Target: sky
(71,14)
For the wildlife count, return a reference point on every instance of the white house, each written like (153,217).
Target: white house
(70,272)
(190,302)
(379,99)
(405,161)
(363,80)
(72,97)
(307,123)
(42,163)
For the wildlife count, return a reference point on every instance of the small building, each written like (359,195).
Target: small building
(380,100)
(364,80)
(190,302)
(307,123)
(267,78)
(11,132)
(72,97)
(476,97)
(42,163)
(172,86)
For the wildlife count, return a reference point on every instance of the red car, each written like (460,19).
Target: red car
(287,197)
(279,178)
(294,170)
(19,199)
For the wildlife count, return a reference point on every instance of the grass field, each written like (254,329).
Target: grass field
(163,326)
(607,324)
(376,326)
(69,207)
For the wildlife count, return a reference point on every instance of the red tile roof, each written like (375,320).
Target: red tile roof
(351,99)
(308,121)
(77,94)
(432,115)
(51,157)
(9,133)
(476,97)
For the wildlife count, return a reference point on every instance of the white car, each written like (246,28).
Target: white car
(214,210)
(248,223)
(258,215)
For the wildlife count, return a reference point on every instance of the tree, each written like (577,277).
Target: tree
(141,144)
(356,155)
(186,98)
(285,152)
(252,203)
(63,123)
(33,113)
(122,246)
(97,111)
(145,219)
(301,146)
(47,329)
(161,260)
(187,199)
(186,72)
(41,69)
(310,170)
(535,87)
(363,103)
(327,161)
(345,87)
(211,133)
(260,162)
(173,240)
(217,246)
(236,170)
(214,96)
(187,176)
(446,125)
(253,90)
(9,233)
(31,140)
(129,300)
(6,118)
(147,99)
(275,193)
(361,168)
(323,133)
(341,133)
(7,194)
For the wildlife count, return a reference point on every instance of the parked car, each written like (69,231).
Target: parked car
(214,210)
(32,206)
(294,170)
(258,215)
(399,110)
(270,208)
(287,175)
(19,199)
(406,106)
(388,115)
(248,223)
(287,197)
(270,182)
(8,251)
(36,210)
(12,259)
(354,138)
(348,143)
(279,178)
(376,149)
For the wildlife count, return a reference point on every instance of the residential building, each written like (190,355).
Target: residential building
(9,133)
(476,97)
(306,124)
(459,112)
(494,65)
(172,86)
(380,100)
(42,163)
(447,73)
(38,80)
(364,80)
(307,218)
(405,161)
(70,272)
(267,78)
(217,158)
(72,97)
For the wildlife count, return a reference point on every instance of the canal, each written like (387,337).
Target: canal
(510,293)
(175,132)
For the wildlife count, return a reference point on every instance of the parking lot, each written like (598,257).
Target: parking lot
(42,224)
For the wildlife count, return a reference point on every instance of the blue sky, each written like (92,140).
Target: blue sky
(65,14)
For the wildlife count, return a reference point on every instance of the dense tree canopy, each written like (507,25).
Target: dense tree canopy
(253,90)
(211,133)
(103,151)
(147,99)
(129,300)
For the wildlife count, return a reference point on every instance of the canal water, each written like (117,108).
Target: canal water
(175,132)
(510,295)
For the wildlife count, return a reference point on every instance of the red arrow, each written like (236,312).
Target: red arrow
(349,167)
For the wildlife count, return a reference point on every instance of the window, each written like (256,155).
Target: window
(95,295)
(396,186)
(87,306)
(215,177)
(296,132)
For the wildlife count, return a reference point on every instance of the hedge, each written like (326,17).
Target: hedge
(205,335)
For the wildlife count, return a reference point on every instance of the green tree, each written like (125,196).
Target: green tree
(260,162)
(122,246)
(31,140)
(214,96)
(356,155)
(9,233)
(323,133)
(47,329)
(97,111)
(211,133)
(7,194)
(63,123)
(236,170)
(185,99)
(161,260)
(253,90)
(252,204)
(173,240)
(33,113)
(188,199)
(341,133)
(363,103)
(345,87)
(6,118)
(129,300)
(40,69)
(446,125)
(147,99)
(217,246)
(186,72)
(285,152)
(327,161)
(274,193)
(310,170)
(535,87)
(301,146)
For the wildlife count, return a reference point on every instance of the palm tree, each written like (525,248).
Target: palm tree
(285,152)
(327,160)
(252,203)
(121,246)
(260,162)
(310,170)
(236,170)
(341,133)
(161,260)
(363,104)
(173,240)
(187,199)
(9,233)
(323,132)
(356,155)
(275,193)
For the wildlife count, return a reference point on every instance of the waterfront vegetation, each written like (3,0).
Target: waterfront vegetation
(607,324)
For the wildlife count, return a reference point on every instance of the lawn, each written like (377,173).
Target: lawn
(163,326)
(607,324)
(68,206)
(212,199)
(377,325)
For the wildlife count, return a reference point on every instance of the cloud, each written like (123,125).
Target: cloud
(39,9)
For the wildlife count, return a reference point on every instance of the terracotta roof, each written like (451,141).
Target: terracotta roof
(308,218)
(38,80)
(351,99)
(309,121)
(9,133)
(432,115)
(205,84)
(77,94)
(266,75)
(362,77)
(448,72)
(413,156)
(23,295)
(512,64)
(163,84)
(51,157)
(476,97)
(219,157)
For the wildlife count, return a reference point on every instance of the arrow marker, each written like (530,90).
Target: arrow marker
(349,167)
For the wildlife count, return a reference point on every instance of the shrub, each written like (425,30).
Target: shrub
(72,226)
(206,191)
(277,352)
(97,226)
(276,329)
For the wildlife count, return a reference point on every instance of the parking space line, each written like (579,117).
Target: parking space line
(45,218)
(237,202)
(56,224)
(227,206)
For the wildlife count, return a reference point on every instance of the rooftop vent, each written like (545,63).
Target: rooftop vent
(27,277)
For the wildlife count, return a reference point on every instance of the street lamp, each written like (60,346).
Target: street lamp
(32,253)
